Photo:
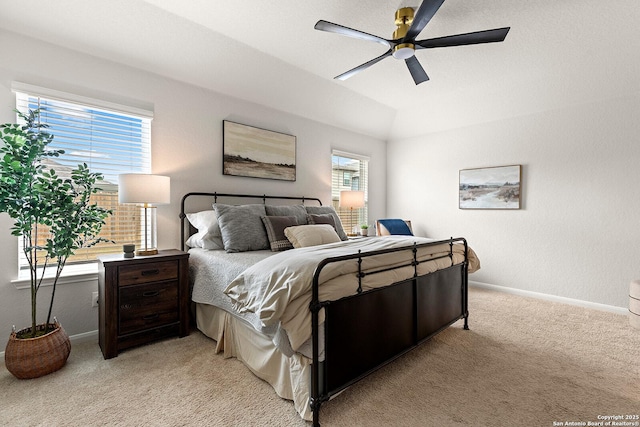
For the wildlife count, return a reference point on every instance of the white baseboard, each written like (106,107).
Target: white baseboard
(84,337)
(554,298)
(78,338)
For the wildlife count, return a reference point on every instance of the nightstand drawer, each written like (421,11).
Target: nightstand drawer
(145,273)
(147,306)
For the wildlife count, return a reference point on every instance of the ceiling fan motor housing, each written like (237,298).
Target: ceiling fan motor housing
(404,18)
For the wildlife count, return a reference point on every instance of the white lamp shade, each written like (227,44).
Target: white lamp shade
(351,199)
(144,189)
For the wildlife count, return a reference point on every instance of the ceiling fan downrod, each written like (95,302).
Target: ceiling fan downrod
(404,19)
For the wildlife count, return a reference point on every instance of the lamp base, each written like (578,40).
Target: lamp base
(142,252)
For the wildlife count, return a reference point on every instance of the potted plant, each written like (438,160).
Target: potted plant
(364,229)
(54,216)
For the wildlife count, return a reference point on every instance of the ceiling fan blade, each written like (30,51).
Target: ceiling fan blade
(416,70)
(425,12)
(350,32)
(486,36)
(351,72)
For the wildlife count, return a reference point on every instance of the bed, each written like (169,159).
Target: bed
(312,312)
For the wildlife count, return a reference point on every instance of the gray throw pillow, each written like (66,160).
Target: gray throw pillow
(321,219)
(319,210)
(288,210)
(241,227)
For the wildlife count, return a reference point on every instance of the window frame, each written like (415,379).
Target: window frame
(84,270)
(362,181)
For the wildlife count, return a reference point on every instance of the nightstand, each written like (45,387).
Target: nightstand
(142,299)
(358,237)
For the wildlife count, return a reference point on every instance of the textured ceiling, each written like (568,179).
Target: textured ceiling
(557,53)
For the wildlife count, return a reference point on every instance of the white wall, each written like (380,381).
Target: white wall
(577,234)
(186,144)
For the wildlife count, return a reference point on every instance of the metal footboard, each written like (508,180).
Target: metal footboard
(369,329)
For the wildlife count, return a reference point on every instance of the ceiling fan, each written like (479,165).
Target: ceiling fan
(404,43)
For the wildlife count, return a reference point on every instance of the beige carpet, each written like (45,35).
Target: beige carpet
(525,362)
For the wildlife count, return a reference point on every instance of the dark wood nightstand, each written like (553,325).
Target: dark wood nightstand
(142,299)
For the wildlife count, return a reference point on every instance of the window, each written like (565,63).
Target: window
(346,179)
(349,172)
(110,139)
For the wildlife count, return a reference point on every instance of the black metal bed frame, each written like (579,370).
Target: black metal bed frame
(369,329)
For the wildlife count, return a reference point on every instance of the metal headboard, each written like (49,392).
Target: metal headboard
(215,196)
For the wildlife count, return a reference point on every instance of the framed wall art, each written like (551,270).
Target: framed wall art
(490,188)
(258,153)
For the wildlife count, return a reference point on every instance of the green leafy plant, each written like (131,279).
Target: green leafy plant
(45,207)
(364,226)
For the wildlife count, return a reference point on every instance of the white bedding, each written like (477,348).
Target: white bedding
(278,288)
(212,271)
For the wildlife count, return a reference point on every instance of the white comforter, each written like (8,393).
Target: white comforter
(278,288)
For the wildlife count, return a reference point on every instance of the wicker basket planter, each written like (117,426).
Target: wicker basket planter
(35,357)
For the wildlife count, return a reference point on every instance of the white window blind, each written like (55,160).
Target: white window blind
(350,172)
(110,139)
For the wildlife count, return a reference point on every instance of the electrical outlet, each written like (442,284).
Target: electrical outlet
(94,300)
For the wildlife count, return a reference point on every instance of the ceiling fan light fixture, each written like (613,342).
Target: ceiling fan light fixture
(404,51)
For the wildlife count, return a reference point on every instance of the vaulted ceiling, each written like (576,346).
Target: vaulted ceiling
(558,53)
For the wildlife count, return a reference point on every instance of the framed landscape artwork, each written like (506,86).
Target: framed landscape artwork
(490,188)
(258,153)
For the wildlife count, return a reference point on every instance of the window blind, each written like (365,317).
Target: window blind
(350,172)
(110,141)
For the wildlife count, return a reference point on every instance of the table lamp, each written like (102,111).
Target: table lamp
(351,199)
(148,191)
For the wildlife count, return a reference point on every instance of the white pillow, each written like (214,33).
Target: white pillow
(302,236)
(208,235)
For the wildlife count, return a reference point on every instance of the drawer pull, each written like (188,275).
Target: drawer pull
(150,272)
(150,316)
(151,294)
